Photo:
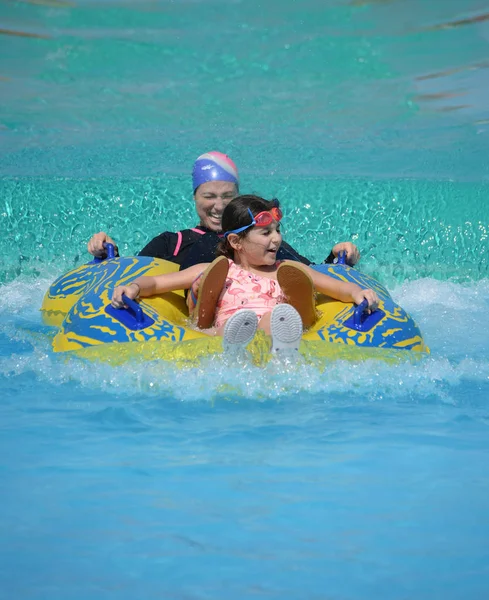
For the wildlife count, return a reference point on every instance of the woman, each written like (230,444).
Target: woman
(215,183)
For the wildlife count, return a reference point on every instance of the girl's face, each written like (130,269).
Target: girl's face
(260,246)
(211,198)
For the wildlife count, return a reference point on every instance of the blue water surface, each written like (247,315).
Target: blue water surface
(344,481)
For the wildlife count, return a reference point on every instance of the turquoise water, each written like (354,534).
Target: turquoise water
(369,121)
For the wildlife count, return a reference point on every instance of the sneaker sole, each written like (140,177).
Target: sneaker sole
(210,288)
(286,329)
(240,329)
(298,288)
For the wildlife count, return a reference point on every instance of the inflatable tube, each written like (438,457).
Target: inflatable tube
(78,305)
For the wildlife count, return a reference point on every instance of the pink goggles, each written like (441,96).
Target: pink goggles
(262,219)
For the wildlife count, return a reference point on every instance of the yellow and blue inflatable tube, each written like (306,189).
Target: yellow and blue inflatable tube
(78,305)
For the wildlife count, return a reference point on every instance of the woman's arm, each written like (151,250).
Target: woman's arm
(286,252)
(157,284)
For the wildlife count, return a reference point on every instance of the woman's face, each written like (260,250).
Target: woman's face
(211,199)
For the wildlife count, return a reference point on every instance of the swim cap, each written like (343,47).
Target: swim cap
(214,166)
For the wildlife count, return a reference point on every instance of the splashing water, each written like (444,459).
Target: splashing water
(345,480)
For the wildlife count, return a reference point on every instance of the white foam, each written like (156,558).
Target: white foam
(453,317)
(23,295)
(217,378)
(425,294)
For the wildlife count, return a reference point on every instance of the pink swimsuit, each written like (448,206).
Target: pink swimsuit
(246,290)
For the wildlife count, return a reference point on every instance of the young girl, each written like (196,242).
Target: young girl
(246,287)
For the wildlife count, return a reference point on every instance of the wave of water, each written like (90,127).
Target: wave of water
(448,313)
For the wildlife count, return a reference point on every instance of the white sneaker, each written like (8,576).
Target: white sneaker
(286,330)
(239,330)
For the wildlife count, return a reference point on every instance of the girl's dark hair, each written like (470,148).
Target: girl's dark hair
(236,215)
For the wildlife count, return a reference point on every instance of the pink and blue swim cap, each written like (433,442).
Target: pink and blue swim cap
(214,166)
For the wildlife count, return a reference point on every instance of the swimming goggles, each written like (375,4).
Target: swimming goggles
(262,219)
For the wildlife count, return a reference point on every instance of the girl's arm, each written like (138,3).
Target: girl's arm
(342,290)
(157,284)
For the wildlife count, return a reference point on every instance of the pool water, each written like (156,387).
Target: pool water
(346,481)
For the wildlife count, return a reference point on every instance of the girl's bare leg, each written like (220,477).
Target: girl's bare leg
(213,331)
(265,323)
